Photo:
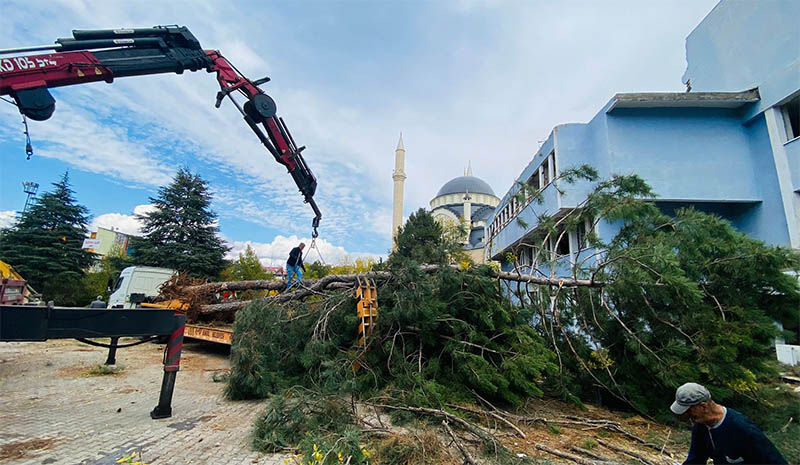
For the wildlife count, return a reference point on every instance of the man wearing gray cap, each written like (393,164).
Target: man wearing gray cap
(721,433)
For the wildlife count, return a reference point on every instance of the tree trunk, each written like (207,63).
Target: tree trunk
(341,281)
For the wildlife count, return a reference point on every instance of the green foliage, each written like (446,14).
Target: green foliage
(265,353)
(322,427)
(290,417)
(349,266)
(247,268)
(422,240)
(776,413)
(553,429)
(697,300)
(104,370)
(181,233)
(450,332)
(589,443)
(67,289)
(96,280)
(45,245)
(684,298)
(316,270)
(438,337)
(687,299)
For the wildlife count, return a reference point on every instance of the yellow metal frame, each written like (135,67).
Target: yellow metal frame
(366,308)
(6,271)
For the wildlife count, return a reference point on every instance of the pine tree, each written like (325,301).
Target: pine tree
(685,298)
(45,245)
(422,240)
(690,298)
(181,234)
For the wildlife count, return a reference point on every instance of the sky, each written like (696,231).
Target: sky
(479,82)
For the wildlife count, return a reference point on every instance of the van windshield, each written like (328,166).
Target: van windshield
(119,283)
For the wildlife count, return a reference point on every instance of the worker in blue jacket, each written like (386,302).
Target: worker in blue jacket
(294,266)
(721,433)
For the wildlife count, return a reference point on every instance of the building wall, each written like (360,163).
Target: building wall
(705,156)
(108,239)
(743,44)
(476,255)
(767,222)
(683,153)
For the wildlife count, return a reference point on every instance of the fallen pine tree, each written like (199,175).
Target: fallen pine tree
(671,300)
(441,335)
(449,347)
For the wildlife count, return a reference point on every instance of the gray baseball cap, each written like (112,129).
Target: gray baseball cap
(687,395)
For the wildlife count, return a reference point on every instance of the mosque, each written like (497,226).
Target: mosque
(465,199)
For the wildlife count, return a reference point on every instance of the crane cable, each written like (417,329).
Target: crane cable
(28,145)
(314,246)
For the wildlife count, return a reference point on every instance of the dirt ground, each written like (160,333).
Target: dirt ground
(612,436)
(61,406)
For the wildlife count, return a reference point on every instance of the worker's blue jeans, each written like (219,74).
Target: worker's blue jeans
(292,271)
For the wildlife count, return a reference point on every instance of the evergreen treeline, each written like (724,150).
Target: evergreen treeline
(44,246)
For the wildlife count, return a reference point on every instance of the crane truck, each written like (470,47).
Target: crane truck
(105,55)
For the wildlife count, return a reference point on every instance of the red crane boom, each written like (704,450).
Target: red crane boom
(106,54)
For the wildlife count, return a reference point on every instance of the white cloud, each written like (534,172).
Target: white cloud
(75,136)
(127,224)
(276,252)
(7,218)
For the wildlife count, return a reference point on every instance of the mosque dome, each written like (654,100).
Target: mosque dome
(464,184)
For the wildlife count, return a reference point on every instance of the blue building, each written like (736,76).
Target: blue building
(729,145)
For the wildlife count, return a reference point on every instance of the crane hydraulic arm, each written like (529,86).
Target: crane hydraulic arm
(106,54)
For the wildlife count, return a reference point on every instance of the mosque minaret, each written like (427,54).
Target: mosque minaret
(399,176)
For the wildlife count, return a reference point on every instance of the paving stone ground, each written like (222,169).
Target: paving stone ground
(53,412)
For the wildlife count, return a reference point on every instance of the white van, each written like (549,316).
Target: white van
(145,280)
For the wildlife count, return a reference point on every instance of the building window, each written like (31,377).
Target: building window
(526,257)
(533,182)
(561,248)
(580,234)
(553,163)
(791,118)
(546,172)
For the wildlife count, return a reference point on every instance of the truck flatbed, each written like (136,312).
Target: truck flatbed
(217,334)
